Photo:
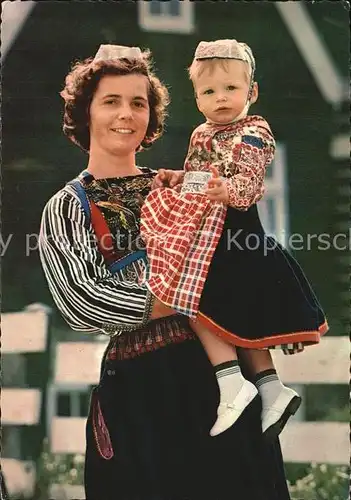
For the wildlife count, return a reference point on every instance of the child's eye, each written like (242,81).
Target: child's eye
(208,91)
(231,87)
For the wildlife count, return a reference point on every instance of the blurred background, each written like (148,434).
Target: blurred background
(302,56)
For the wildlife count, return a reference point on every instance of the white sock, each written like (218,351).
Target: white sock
(269,386)
(230,380)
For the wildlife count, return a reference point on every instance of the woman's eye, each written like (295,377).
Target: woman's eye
(111,101)
(139,104)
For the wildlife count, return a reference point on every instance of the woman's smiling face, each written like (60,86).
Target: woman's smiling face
(119,114)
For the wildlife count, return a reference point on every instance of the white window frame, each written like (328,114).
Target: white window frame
(73,390)
(165,22)
(276,191)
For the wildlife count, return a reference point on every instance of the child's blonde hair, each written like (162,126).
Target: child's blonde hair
(199,66)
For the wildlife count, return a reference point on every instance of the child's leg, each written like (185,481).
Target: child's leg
(278,401)
(235,392)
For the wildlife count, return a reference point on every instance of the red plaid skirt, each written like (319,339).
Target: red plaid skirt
(181,233)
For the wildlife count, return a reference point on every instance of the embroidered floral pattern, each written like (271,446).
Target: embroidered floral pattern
(120,201)
(241,152)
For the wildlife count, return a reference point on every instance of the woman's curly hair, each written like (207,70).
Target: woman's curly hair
(81,84)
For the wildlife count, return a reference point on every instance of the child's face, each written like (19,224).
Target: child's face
(221,92)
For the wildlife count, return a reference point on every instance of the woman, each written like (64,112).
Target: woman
(149,420)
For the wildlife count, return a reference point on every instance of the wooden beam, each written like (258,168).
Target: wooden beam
(68,435)
(20,406)
(13,16)
(313,50)
(19,476)
(321,442)
(67,491)
(340,147)
(78,362)
(325,363)
(23,332)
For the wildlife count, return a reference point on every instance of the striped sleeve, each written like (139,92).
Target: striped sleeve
(89,297)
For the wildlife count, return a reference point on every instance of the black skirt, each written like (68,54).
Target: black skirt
(157,409)
(256,294)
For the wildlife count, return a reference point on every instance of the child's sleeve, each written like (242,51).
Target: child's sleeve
(252,151)
(193,144)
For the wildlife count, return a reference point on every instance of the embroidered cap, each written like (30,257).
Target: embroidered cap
(226,49)
(229,49)
(111,52)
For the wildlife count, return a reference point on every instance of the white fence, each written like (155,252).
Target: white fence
(77,364)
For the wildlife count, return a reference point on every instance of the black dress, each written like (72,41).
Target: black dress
(147,433)
(271,301)
(150,416)
(158,408)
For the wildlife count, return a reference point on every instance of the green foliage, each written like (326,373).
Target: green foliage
(325,402)
(53,468)
(322,482)
(306,481)
(339,414)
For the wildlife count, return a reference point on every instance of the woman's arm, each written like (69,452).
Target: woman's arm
(89,297)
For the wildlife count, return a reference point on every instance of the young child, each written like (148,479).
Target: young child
(209,257)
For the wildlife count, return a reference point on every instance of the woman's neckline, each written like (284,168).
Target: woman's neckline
(142,171)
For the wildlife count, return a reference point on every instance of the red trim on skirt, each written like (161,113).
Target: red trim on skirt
(309,337)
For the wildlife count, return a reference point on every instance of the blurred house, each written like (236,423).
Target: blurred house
(302,53)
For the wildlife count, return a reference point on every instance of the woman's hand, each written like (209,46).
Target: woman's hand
(216,188)
(167,178)
(159,310)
